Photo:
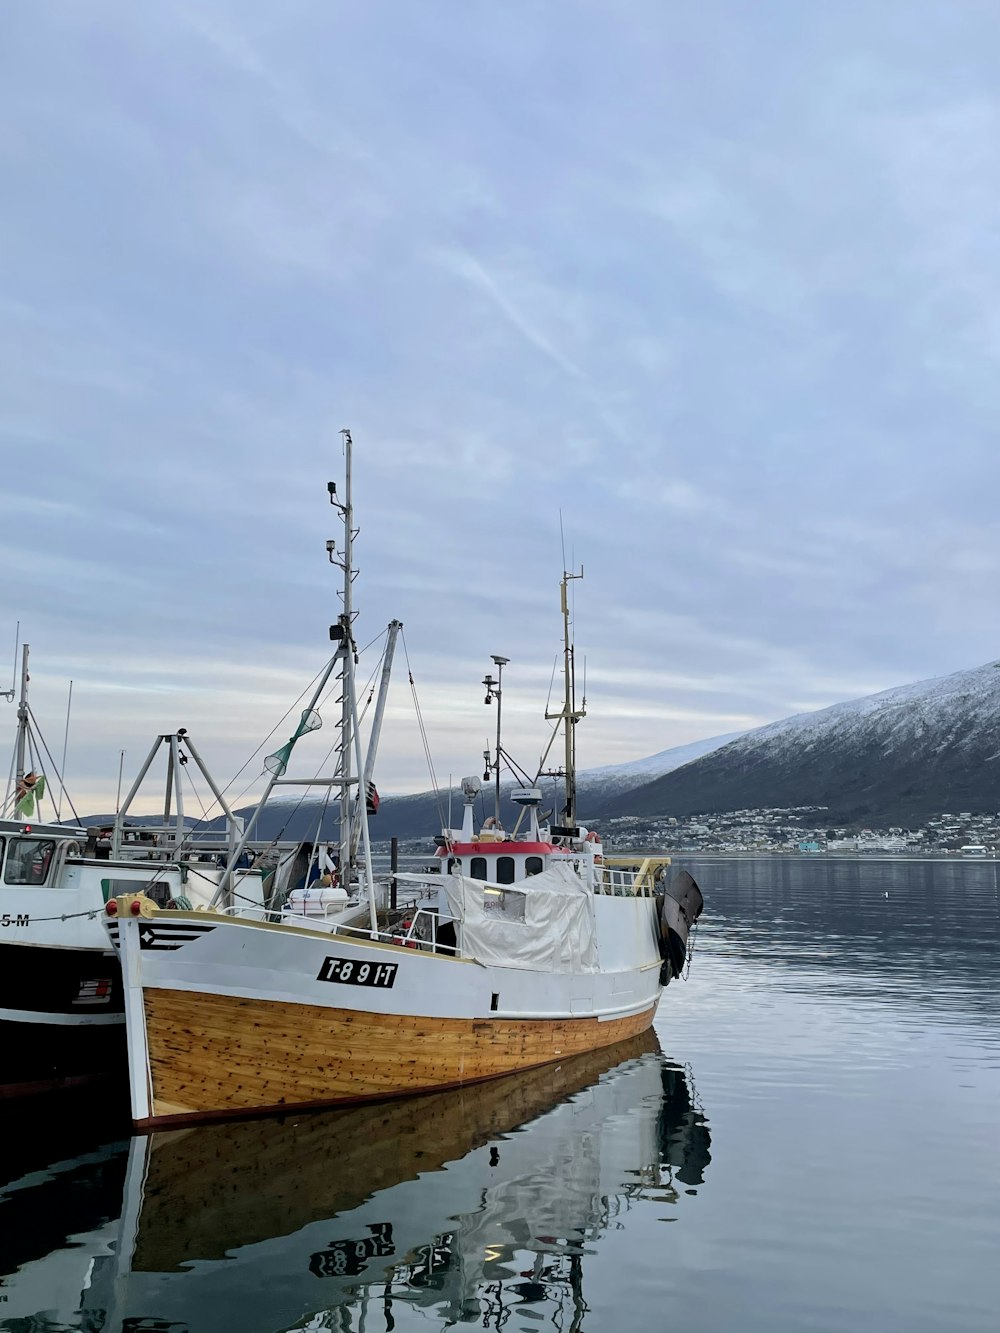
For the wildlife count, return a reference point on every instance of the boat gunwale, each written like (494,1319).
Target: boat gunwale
(220,918)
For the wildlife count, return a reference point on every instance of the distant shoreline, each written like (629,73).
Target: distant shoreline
(775,854)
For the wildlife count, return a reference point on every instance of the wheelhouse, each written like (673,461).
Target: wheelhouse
(497,863)
(33,856)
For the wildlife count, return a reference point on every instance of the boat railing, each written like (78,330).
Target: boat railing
(630,879)
(161,844)
(615,883)
(410,937)
(253,912)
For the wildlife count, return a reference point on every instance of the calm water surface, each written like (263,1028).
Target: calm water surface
(811,1140)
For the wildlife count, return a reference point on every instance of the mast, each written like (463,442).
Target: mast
(22,718)
(570,714)
(494,690)
(392,634)
(17,760)
(343,662)
(349,732)
(346,675)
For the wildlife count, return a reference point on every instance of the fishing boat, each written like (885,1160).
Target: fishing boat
(451,1205)
(62,1017)
(514,950)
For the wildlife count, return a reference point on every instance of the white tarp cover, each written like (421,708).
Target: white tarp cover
(557,930)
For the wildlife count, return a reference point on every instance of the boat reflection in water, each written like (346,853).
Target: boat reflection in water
(61,1183)
(462,1203)
(453,1201)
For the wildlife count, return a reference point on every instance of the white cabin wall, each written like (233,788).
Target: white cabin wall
(626,932)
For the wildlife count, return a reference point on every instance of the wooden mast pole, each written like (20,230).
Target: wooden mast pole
(570,714)
(22,718)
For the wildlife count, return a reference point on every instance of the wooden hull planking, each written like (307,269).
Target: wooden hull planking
(213,1188)
(216,1055)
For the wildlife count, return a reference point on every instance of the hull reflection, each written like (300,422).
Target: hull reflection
(59,1221)
(452,1201)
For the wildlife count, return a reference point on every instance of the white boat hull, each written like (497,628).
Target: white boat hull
(230,1016)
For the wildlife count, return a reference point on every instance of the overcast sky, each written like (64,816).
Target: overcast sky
(719,282)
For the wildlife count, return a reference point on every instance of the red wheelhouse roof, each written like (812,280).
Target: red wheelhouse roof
(498,849)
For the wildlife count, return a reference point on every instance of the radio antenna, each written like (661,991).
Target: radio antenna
(9,694)
(62,773)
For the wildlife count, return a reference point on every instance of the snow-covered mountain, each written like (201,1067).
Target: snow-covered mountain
(899,755)
(893,757)
(424,813)
(623,777)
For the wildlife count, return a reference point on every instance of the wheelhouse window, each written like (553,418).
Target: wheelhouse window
(504,904)
(28,860)
(505,870)
(533,865)
(477,867)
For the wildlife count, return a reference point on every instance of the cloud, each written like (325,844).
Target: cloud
(711,294)
(469,268)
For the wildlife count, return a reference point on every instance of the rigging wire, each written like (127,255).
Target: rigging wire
(12,694)
(13,673)
(62,779)
(297,805)
(281,721)
(323,809)
(692,937)
(31,751)
(514,767)
(321,704)
(196,794)
(9,791)
(423,734)
(164,866)
(552,681)
(38,733)
(293,811)
(206,816)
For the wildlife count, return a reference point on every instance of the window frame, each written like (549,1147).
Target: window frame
(506,865)
(47,860)
(497,904)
